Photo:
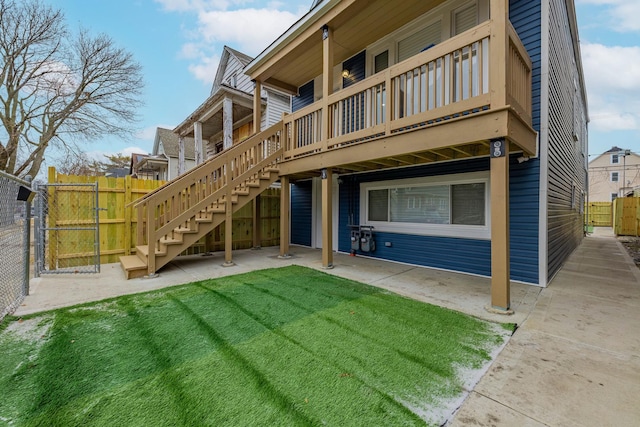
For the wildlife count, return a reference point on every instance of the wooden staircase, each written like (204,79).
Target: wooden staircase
(178,214)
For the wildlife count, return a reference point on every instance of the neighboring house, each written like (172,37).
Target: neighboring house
(226,117)
(116,172)
(457,129)
(614,173)
(165,161)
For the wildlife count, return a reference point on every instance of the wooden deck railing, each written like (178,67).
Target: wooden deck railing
(446,81)
(518,76)
(180,202)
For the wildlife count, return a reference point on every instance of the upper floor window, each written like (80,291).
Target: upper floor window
(614,159)
(465,18)
(423,39)
(233,80)
(614,176)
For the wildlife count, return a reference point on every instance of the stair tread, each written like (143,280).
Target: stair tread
(202,222)
(132,262)
(170,241)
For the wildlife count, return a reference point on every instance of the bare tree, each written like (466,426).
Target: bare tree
(59,89)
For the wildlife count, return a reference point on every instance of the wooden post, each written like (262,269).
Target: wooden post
(257,223)
(53,219)
(197,136)
(257,107)
(285,200)
(228,221)
(500,257)
(327,218)
(327,82)
(127,214)
(499,10)
(227,123)
(181,166)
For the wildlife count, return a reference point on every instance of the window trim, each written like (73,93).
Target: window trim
(617,159)
(478,232)
(616,174)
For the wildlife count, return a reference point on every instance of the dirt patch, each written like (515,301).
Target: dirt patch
(632,245)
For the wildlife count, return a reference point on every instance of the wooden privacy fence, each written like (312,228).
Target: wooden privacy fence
(118,221)
(599,214)
(626,218)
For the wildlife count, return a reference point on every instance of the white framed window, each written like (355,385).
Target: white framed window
(442,22)
(451,205)
(614,196)
(615,159)
(614,176)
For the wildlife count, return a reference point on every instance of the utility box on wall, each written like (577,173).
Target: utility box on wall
(367,244)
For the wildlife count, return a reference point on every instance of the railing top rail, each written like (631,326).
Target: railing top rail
(14,178)
(236,149)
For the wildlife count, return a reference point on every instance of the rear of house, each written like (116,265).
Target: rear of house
(438,212)
(450,133)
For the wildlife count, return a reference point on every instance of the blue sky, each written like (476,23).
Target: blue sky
(178,44)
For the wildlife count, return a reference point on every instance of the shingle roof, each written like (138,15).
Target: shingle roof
(242,57)
(170,142)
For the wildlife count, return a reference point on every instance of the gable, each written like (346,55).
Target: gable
(230,71)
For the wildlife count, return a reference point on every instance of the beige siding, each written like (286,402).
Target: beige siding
(601,171)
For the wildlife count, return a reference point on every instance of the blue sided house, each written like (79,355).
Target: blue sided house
(450,134)
(453,134)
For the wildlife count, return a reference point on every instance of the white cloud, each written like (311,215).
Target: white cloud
(205,69)
(623,13)
(230,22)
(612,75)
(249,30)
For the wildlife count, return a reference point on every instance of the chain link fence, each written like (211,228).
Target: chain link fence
(66,228)
(15,228)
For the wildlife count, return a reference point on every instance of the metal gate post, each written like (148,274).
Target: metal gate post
(27,242)
(96,244)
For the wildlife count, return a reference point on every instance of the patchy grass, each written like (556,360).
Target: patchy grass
(288,346)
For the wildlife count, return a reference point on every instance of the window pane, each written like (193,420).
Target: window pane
(425,205)
(468,204)
(381,61)
(378,205)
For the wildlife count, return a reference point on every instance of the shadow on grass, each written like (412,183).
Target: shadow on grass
(287,346)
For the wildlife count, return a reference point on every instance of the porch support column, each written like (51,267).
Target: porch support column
(327,81)
(285,201)
(181,166)
(257,106)
(197,136)
(228,225)
(227,123)
(499,10)
(257,223)
(500,252)
(327,218)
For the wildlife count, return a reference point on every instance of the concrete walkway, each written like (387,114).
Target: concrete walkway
(574,361)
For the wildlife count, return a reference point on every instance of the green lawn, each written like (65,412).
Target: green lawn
(287,346)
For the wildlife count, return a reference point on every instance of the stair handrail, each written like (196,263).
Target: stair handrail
(207,162)
(180,200)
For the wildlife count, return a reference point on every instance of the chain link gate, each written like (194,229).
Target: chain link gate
(67,233)
(15,197)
